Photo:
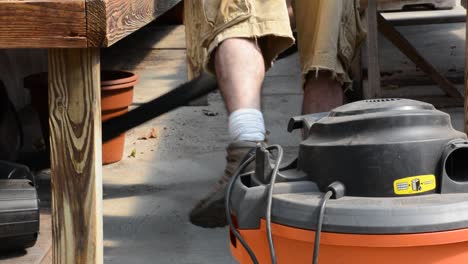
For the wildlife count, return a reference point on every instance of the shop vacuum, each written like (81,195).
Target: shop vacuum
(19,207)
(379,181)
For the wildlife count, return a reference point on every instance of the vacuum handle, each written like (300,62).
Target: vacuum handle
(305,122)
(178,97)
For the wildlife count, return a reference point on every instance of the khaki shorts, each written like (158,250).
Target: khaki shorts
(329,31)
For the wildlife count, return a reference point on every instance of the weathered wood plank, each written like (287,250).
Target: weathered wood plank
(96,22)
(42,24)
(410,51)
(154,36)
(75,126)
(426,17)
(373,89)
(122,18)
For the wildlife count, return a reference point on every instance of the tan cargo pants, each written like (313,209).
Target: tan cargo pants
(329,31)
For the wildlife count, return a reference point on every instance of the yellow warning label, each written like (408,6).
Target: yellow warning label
(414,184)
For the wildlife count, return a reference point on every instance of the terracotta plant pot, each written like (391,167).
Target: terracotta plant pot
(116,97)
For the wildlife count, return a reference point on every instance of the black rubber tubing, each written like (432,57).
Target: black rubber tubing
(180,96)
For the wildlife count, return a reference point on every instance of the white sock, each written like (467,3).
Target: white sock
(247,124)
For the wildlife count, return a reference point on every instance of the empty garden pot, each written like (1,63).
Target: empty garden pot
(116,97)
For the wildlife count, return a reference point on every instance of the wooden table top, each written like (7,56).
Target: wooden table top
(74,23)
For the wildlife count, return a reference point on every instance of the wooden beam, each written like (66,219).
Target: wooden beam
(75,134)
(373,68)
(42,24)
(111,20)
(411,52)
(426,17)
(74,23)
(96,23)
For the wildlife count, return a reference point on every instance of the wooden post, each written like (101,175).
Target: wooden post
(373,68)
(75,135)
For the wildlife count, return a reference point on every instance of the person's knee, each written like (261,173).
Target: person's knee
(237,43)
(239,51)
(320,79)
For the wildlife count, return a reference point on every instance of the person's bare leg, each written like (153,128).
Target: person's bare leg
(240,70)
(321,93)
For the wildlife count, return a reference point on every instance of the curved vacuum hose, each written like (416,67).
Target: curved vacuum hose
(180,96)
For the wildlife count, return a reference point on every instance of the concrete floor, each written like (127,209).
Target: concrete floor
(147,198)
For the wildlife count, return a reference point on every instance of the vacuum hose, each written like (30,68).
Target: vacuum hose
(178,97)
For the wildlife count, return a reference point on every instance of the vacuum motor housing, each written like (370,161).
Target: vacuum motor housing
(405,171)
(19,207)
(372,146)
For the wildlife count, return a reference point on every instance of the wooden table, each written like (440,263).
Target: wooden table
(73,31)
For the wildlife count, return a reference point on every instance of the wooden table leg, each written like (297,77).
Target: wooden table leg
(75,136)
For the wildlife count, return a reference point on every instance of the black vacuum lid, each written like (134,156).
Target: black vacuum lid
(377,147)
(380,105)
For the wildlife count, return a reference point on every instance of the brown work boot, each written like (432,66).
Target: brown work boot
(210,211)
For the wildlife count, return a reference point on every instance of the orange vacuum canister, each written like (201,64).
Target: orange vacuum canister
(380,181)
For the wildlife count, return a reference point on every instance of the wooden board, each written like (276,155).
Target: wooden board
(42,23)
(426,17)
(74,23)
(75,135)
(155,36)
(410,51)
(122,18)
